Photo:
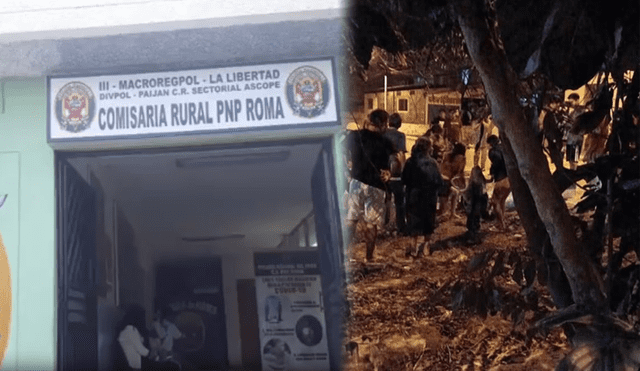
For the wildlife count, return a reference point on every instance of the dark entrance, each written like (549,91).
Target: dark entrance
(156,228)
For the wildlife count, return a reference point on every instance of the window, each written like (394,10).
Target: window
(403,105)
(370,103)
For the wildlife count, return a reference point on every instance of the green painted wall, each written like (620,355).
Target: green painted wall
(30,236)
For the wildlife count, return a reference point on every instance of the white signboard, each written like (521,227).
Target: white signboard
(232,98)
(293,332)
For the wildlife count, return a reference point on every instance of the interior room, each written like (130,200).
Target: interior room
(203,211)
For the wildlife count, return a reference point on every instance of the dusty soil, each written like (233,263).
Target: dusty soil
(461,307)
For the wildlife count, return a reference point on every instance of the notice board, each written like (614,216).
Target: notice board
(290,311)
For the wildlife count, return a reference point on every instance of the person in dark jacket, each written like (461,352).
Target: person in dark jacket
(498,172)
(369,153)
(396,187)
(475,202)
(423,183)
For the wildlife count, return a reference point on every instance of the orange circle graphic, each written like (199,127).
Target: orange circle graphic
(5,300)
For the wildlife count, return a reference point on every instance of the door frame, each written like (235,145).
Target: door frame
(331,259)
(83,301)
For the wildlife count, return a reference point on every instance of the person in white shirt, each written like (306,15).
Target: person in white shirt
(130,340)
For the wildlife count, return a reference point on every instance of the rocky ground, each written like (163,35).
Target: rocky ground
(462,307)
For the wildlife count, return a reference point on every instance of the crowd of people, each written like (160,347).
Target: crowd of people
(406,192)
(388,191)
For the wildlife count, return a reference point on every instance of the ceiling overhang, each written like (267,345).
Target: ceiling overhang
(178,45)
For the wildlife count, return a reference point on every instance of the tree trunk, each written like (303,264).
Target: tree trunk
(550,272)
(500,82)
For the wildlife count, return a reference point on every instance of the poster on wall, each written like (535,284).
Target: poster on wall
(9,239)
(202,100)
(291,311)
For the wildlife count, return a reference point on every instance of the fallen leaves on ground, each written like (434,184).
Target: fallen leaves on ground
(462,307)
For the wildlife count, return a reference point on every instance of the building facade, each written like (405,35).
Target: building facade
(417,105)
(151,211)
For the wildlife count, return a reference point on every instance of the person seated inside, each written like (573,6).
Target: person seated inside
(131,338)
(165,333)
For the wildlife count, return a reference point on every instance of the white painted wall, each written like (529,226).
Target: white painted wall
(32,256)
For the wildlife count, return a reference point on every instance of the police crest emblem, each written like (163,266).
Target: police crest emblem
(75,107)
(307,91)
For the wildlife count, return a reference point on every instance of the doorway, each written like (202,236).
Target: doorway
(129,219)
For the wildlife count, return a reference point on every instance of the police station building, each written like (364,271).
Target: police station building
(181,164)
